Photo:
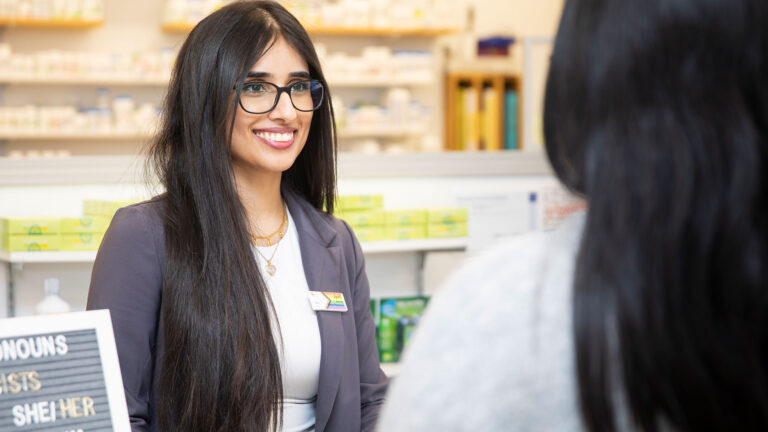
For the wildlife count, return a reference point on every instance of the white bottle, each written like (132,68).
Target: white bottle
(52,303)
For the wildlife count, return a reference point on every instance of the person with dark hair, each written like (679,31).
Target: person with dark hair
(649,312)
(209,284)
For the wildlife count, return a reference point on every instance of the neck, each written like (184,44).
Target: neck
(261,198)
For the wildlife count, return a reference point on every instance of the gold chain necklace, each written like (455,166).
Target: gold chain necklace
(271,268)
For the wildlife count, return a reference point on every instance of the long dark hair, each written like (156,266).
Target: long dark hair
(657,112)
(221,368)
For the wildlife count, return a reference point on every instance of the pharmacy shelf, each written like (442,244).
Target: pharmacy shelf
(376,132)
(343,31)
(78,136)
(49,23)
(160,82)
(130,169)
(395,246)
(48,257)
(380,132)
(86,80)
(416,245)
(369,82)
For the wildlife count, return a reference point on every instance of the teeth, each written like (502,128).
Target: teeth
(272,136)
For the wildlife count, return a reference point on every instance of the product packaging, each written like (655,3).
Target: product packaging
(398,317)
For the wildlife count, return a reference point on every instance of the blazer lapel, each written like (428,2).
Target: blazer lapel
(322,267)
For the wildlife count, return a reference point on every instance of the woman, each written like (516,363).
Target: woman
(209,284)
(649,313)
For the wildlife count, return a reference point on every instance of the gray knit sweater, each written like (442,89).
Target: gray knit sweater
(495,349)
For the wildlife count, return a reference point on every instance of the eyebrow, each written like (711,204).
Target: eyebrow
(269,75)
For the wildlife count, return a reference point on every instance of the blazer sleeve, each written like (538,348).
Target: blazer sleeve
(127,280)
(373,381)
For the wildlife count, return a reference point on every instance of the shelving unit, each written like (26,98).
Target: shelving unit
(395,246)
(82,80)
(50,23)
(358,132)
(464,133)
(76,136)
(342,31)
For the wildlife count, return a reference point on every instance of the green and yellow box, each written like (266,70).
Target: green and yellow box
(105,208)
(406,232)
(80,241)
(363,219)
(85,224)
(370,234)
(346,203)
(445,230)
(405,217)
(30,226)
(31,243)
(447,215)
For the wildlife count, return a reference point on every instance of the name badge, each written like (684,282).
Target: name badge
(327,301)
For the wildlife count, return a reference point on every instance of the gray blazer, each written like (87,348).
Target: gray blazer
(127,280)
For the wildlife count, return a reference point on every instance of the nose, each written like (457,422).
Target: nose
(284,109)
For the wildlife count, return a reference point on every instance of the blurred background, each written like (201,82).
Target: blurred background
(439,125)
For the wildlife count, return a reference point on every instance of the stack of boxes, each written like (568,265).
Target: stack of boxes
(370,222)
(30,234)
(60,234)
(448,222)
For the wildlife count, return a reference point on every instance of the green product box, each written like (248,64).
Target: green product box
(363,219)
(406,232)
(31,243)
(30,226)
(443,230)
(105,208)
(370,234)
(358,202)
(85,224)
(447,215)
(405,217)
(92,207)
(80,241)
(398,318)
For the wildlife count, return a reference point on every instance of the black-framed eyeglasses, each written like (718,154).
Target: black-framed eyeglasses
(260,97)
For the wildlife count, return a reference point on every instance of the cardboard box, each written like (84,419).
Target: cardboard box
(31,243)
(363,219)
(85,224)
(358,202)
(447,215)
(445,230)
(370,234)
(30,226)
(406,232)
(80,241)
(405,217)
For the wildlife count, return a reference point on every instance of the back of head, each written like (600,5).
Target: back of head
(657,112)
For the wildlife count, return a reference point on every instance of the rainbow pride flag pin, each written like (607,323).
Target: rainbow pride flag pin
(327,301)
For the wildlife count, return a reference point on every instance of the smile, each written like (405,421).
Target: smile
(279,140)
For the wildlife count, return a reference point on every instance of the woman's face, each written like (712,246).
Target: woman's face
(270,142)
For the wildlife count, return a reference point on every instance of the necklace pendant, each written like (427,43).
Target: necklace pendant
(271,269)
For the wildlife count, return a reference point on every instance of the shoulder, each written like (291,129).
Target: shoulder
(506,316)
(526,263)
(138,225)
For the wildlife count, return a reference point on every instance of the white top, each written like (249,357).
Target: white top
(494,351)
(300,353)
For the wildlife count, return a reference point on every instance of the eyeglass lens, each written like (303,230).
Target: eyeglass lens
(260,97)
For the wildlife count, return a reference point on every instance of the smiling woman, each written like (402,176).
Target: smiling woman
(208,283)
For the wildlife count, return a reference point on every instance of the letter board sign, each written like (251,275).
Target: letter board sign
(61,373)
